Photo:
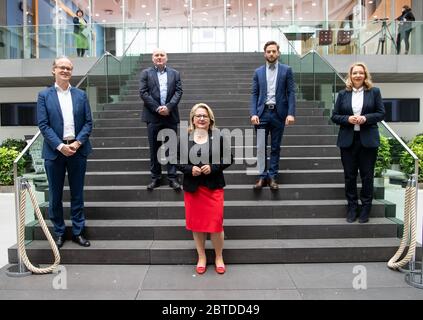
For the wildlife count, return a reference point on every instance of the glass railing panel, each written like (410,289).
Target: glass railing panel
(31,167)
(49,41)
(390,178)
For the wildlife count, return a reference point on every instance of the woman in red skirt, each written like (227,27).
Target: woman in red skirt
(207,156)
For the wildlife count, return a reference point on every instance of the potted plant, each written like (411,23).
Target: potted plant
(383,161)
(407,162)
(7,156)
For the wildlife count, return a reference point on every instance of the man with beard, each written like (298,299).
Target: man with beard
(272,107)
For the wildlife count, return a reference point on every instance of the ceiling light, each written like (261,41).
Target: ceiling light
(250,4)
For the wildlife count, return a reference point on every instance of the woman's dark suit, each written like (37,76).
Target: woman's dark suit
(215,180)
(359,148)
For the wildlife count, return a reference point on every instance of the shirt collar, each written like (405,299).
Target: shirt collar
(361,89)
(271,66)
(56,86)
(164,69)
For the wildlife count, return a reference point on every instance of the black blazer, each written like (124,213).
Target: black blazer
(373,110)
(214,180)
(150,94)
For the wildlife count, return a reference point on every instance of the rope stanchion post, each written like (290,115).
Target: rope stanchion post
(18,270)
(415,278)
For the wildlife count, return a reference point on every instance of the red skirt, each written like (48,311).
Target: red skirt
(204,210)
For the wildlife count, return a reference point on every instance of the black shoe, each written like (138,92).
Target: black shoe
(273,184)
(60,241)
(363,220)
(174,184)
(81,241)
(352,214)
(155,183)
(260,184)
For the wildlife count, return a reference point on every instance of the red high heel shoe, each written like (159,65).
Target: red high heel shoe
(200,269)
(220,269)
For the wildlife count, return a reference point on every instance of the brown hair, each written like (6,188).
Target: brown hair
(210,113)
(270,43)
(368,84)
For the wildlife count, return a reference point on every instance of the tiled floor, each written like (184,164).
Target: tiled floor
(179,282)
(241,282)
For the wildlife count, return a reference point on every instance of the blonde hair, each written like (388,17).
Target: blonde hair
(368,84)
(210,113)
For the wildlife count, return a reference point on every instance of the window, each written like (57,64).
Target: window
(19,114)
(402,110)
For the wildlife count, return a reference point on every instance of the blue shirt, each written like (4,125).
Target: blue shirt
(162,75)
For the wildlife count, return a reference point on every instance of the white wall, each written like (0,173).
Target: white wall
(10,95)
(409,91)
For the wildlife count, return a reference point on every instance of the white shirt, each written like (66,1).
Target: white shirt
(271,76)
(66,105)
(357,104)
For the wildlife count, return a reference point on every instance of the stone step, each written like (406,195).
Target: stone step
(306,130)
(235,229)
(198,88)
(286,151)
(242,120)
(274,209)
(184,114)
(236,251)
(141,178)
(131,105)
(292,163)
(114,142)
(232,192)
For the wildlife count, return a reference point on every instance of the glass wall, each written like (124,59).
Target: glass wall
(188,25)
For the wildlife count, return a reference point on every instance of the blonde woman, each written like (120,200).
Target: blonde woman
(357,111)
(203,184)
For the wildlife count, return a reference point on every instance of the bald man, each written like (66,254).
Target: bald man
(64,119)
(161,91)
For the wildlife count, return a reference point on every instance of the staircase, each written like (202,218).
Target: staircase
(304,221)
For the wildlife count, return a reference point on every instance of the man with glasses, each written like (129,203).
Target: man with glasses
(161,91)
(64,119)
(272,107)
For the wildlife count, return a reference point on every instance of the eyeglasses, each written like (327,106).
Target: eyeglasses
(201,116)
(64,68)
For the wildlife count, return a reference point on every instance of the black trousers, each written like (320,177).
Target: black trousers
(406,36)
(155,166)
(358,158)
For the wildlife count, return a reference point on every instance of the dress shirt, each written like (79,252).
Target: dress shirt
(357,104)
(162,75)
(271,76)
(66,105)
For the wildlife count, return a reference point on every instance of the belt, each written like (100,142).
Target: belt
(68,141)
(270,106)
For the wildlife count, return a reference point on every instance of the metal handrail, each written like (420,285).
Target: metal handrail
(92,67)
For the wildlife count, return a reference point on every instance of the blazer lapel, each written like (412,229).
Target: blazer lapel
(349,103)
(366,101)
(170,82)
(153,74)
(263,80)
(74,105)
(56,100)
(278,78)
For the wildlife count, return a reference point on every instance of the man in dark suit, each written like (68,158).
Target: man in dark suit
(272,107)
(64,119)
(161,91)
